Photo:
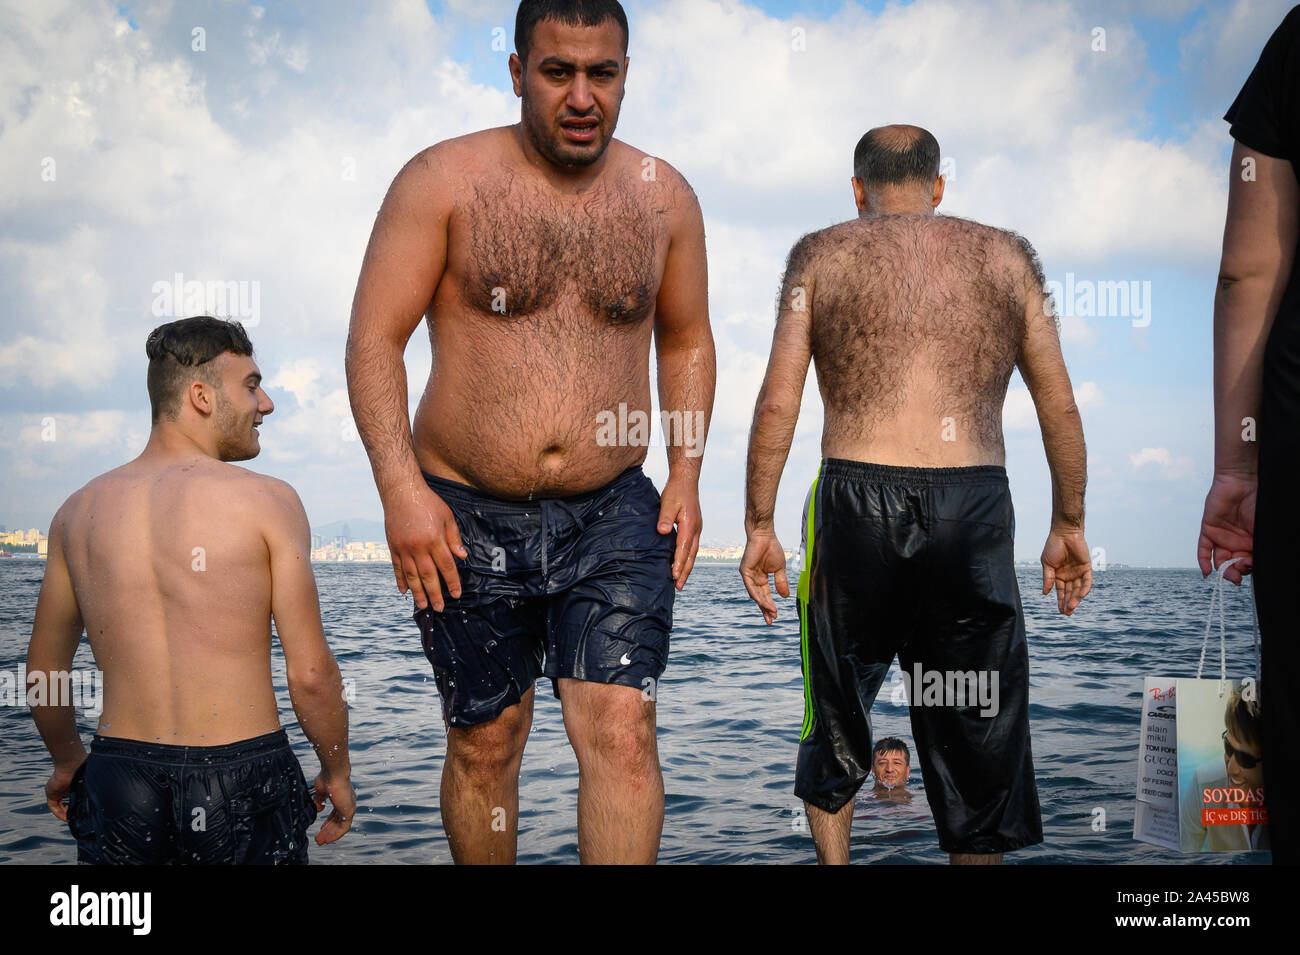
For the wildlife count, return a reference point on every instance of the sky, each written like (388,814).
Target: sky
(252,144)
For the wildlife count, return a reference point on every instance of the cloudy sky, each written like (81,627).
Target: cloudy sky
(233,142)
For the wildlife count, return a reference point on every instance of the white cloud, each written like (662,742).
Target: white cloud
(1019,412)
(1162,462)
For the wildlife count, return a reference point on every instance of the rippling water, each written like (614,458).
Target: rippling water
(730,709)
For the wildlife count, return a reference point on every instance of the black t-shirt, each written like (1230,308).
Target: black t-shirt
(1266,118)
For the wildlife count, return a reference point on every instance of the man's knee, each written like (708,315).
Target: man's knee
(489,750)
(616,728)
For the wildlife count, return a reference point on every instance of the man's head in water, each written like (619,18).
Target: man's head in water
(891,763)
(569,68)
(896,172)
(203,380)
(1243,743)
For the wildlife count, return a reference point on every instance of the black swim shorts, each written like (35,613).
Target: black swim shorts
(138,803)
(918,562)
(576,587)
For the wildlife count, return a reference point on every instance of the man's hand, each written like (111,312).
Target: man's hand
(56,790)
(1067,565)
(680,504)
(422,537)
(1228,525)
(763,556)
(344,802)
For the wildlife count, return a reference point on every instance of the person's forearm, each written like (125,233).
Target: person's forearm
(57,724)
(1242,319)
(769,446)
(376,373)
(322,712)
(687,377)
(1067,459)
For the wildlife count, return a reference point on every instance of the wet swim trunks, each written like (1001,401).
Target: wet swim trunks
(138,803)
(576,587)
(918,562)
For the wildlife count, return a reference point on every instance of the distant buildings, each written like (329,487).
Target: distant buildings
(28,543)
(342,549)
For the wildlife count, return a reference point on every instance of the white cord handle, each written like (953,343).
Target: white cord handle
(1217,595)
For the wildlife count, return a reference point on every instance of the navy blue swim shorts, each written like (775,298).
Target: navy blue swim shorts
(578,587)
(138,803)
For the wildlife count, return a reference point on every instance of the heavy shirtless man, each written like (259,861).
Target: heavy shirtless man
(544,255)
(915,323)
(174,565)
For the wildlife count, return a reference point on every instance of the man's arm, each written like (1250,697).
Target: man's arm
(1259,244)
(775,415)
(56,632)
(687,372)
(1066,560)
(403,265)
(315,685)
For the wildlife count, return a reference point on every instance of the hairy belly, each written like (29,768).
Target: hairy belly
(532,444)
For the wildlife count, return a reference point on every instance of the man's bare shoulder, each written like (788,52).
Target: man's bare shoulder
(656,175)
(1005,249)
(436,170)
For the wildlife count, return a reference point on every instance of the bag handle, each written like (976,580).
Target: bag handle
(1217,595)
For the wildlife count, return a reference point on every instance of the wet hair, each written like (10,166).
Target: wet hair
(889,155)
(180,351)
(1243,722)
(572,13)
(891,744)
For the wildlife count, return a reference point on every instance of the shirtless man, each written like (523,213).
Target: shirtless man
(915,323)
(544,255)
(174,565)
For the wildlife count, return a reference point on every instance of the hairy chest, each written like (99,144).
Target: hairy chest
(520,253)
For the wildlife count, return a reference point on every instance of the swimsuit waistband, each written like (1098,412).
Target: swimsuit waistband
(925,477)
(440,484)
(169,753)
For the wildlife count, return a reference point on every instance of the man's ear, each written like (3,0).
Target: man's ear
(939,183)
(859,193)
(201,397)
(517,73)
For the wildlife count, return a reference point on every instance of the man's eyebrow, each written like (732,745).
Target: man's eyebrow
(554,61)
(254,376)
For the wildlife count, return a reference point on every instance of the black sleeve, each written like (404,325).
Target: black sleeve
(1264,114)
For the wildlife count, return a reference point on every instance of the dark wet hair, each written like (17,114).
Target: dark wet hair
(180,351)
(889,155)
(572,13)
(891,744)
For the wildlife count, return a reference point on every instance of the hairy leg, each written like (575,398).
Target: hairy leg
(830,831)
(620,786)
(480,786)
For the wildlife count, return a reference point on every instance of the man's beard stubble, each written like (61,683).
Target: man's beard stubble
(234,441)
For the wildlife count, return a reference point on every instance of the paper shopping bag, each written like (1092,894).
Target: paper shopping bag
(1200,777)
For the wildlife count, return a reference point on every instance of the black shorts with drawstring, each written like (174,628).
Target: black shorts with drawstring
(574,587)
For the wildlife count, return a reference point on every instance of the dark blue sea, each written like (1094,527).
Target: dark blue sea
(730,709)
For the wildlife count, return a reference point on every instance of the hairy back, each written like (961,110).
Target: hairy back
(917,323)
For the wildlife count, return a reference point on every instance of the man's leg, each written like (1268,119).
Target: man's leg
(973,741)
(830,832)
(480,786)
(620,787)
